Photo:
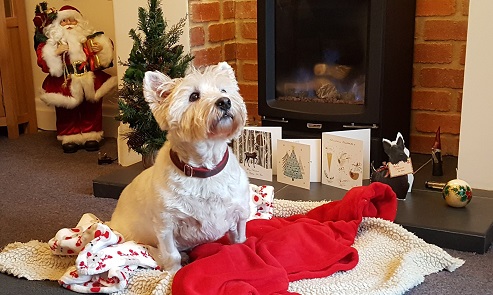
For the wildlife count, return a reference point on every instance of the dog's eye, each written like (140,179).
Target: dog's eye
(194,96)
(223,90)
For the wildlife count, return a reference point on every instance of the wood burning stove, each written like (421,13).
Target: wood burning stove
(328,65)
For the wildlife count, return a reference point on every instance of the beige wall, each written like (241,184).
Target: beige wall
(476,140)
(125,17)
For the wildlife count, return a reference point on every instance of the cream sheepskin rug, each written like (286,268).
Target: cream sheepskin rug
(392,261)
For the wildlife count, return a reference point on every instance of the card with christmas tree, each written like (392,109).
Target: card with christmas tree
(298,161)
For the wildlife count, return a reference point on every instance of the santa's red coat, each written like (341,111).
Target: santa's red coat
(77,98)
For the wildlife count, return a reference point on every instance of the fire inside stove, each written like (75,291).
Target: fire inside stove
(327,84)
(321,51)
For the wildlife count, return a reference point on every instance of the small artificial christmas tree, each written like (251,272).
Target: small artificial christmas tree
(156,50)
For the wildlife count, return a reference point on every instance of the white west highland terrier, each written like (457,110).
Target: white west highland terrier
(196,191)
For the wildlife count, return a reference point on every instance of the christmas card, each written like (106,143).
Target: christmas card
(275,134)
(342,161)
(298,161)
(359,134)
(255,152)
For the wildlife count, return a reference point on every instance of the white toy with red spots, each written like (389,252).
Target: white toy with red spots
(104,261)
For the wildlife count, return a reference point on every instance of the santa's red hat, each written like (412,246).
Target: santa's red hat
(68,11)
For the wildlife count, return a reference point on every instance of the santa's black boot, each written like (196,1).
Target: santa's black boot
(91,146)
(70,147)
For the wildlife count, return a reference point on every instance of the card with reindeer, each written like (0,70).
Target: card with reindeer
(255,152)
(275,134)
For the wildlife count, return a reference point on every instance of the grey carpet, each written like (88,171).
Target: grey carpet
(42,190)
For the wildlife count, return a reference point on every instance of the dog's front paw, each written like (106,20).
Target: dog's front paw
(240,240)
(236,238)
(237,235)
(173,269)
(169,266)
(168,262)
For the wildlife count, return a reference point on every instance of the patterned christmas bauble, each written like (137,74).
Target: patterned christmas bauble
(457,193)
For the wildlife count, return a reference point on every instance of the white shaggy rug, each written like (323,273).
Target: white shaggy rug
(392,260)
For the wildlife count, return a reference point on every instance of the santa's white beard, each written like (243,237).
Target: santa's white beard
(74,38)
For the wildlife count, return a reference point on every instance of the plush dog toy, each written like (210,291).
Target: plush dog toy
(397,152)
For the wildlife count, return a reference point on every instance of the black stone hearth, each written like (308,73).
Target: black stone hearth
(423,212)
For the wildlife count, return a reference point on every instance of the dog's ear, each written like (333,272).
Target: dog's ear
(157,87)
(400,141)
(226,68)
(386,145)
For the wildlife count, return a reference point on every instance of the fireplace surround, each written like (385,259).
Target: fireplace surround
(330,65)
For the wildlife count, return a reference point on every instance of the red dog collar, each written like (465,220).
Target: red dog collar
(200,172)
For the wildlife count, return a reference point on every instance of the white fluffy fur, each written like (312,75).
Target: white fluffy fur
(107,86)
(59,100)
(164,208)
(81,138)
(81,87)
(53,61)
(106,54)
(59,35)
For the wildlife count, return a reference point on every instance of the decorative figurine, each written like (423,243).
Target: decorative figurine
(457,193)
(399,160)
(436,155)
(73,55)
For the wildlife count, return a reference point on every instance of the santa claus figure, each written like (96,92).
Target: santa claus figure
(74,56)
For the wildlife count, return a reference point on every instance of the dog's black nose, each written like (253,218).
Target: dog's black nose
(223,103)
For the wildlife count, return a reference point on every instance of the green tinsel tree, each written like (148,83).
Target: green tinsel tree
(154,48)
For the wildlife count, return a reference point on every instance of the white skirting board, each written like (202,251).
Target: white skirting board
(126,156)
(45,115)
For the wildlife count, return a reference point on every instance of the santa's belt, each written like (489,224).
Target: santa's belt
(77,68)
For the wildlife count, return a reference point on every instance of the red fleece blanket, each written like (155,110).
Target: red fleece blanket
(280,250)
